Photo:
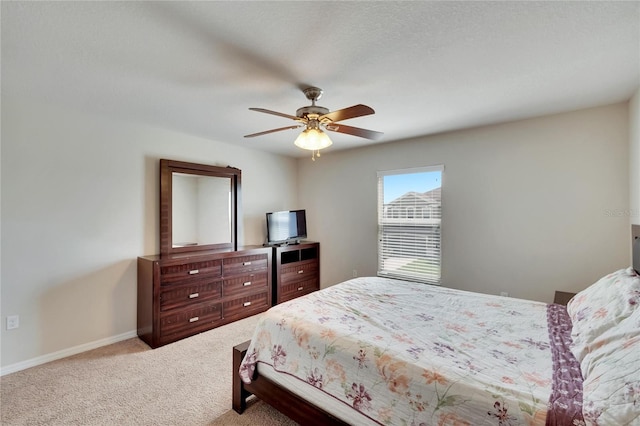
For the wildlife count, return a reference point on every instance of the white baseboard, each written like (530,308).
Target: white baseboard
(66,352)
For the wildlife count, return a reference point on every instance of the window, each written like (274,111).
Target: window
(409,223)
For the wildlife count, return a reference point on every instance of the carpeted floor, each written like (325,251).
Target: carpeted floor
(257,413)
(185,383)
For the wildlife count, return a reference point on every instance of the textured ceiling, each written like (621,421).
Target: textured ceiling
(425,67)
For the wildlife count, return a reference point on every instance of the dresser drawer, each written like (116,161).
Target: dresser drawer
(246,284)
(190,294)
(246,305)
(176,274)
(190,321)
(298,271)
(297,289)
(245,264)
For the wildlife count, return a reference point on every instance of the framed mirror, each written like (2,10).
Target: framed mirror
(198,207)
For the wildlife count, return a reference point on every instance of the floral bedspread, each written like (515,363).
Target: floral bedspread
(405,353)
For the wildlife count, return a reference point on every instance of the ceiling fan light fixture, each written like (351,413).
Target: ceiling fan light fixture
(312,116)
(313,140)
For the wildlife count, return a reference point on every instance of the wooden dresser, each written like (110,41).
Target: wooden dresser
(183,294)
(296,270)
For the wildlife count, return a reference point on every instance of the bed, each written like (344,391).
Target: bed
(375,351)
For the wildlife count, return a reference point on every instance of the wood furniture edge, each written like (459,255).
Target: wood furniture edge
(283,400)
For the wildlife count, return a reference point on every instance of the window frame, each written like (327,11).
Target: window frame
(426,215)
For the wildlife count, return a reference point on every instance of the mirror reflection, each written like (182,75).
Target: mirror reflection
(201,211)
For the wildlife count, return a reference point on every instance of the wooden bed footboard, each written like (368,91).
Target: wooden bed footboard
(283,400)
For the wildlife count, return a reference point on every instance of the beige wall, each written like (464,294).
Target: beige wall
(528,207)
(80,203)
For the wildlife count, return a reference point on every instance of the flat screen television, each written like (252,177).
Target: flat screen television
(286,227)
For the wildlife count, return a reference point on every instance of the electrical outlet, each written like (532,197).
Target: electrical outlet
(13,321)
(355,273)
(504,294)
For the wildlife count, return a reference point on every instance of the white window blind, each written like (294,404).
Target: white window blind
(409,223)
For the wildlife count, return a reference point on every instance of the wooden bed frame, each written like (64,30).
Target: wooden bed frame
(283,400)
(303,411)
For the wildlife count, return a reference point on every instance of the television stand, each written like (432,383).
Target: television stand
(296,270)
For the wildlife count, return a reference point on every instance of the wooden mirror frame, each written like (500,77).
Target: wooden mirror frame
(167,168)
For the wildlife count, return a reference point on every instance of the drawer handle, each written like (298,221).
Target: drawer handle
(300,288)
(194,295)
(246,304)
(246,284)
(193,271)
(194,319)
(246,263)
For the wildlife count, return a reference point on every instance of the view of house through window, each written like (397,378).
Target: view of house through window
(409,221)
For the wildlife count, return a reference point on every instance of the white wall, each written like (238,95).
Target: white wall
(634,158)
(528,207)
(80,203)
(525,210)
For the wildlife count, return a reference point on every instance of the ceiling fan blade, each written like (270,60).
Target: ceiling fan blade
(281,114)
(346,113)
(272,131)
(355,131)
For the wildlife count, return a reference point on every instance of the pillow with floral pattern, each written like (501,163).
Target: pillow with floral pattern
(611,371)
(602,306)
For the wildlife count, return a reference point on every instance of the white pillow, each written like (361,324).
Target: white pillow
(602,306)
(611,371)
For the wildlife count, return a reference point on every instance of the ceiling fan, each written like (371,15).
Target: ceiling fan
(315,118)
